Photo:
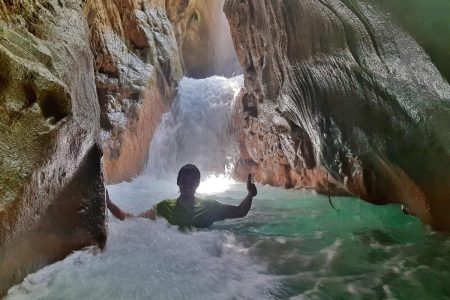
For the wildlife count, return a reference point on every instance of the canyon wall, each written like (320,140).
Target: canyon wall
(339,98)
(142,49)
(51,189)
(84,82)
(342,88)
(204,39)
(137,69)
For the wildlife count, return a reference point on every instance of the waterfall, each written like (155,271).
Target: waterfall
(197,129)
(226,61)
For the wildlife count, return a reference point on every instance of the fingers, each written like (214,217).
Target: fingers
(250,186)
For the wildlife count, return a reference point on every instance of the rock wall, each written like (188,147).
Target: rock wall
(203,36)
(51,190)
(274,153)
(78,78)
(137,69)
(340,87)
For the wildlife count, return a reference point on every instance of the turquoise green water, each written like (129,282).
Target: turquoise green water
(292,245)
(360,251)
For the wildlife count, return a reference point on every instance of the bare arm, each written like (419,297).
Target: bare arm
(115,210)
(232,212)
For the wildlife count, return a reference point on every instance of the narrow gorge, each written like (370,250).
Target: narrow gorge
(349,99)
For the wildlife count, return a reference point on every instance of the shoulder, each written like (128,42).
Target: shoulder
(165,208)
(166,203)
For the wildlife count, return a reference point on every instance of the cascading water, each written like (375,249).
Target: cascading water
(292,243)
(197,130)
(145,259)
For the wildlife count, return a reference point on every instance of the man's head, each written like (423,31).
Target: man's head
(188,179)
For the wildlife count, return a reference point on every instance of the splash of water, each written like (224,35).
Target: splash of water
(150,260)
(292,244)
(197,130)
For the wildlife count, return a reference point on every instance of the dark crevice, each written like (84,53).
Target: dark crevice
(249,105)
(30,95)
(53,107)
(105,123)
(4,80)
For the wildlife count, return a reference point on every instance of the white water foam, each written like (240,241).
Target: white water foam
(197,130)
(151,260)
(145,259)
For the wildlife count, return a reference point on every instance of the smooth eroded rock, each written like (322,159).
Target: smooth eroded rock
(362,98)
(51,190)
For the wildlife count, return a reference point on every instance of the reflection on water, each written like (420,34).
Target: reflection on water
(292,244)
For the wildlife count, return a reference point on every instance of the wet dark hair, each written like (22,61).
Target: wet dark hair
(189,172)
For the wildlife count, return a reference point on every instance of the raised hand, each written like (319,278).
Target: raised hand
(231,212)
(251,187)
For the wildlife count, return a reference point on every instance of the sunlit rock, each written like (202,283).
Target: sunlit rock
(204,39)
(137,69)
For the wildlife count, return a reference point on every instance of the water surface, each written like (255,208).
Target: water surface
(292,244)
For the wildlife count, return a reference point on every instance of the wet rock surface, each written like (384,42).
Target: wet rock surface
(339,87)
(137,69)
(203,37)
(273,153)
(51,190)
(80,80)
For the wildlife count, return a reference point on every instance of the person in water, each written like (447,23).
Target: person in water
(188,210)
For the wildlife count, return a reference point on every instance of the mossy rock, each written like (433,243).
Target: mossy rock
(32,101)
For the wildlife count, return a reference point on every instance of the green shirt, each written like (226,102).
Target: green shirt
(201,214)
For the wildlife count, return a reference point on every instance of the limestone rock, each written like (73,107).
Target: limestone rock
(203,37)
(51,190)
(137,69)
(362,99)
(272,152)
